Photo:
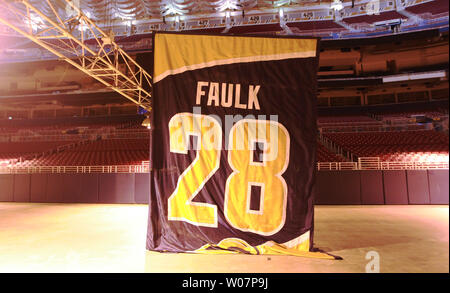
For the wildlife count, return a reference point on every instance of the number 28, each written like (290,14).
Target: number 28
(271,215)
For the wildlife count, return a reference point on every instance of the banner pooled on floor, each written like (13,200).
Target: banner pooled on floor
(232,151)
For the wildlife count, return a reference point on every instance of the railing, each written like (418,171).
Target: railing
(91,134)
(413,165)
(369,163)
(374,128)
(337,166)
(74,169)
(374,163)
(60,137)
(348,123)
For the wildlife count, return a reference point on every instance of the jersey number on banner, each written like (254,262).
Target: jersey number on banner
(269,218)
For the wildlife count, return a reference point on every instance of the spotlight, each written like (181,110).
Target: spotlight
(146,123)
(337,5)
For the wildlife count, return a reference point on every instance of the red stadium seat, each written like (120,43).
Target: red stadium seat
(394,146)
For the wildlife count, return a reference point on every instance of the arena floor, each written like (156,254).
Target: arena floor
(111,238)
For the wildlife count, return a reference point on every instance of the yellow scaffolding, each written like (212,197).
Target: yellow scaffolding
(76,39)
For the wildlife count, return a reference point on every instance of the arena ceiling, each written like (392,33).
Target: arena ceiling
(324,18)
(131,23)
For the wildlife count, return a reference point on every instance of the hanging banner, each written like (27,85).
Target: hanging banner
(233,144)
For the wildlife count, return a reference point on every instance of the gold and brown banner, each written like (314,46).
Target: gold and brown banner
(233,144)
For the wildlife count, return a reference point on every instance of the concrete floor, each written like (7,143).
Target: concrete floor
(111,238)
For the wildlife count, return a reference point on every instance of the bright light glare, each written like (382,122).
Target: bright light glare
(225,5)
(337,5)
(35,22)
(426,157)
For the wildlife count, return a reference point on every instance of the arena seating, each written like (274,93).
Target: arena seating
(407,114)
(126,145)
(39,141)
(429,8)
(15,150)
(395,145)
(388,15)
(346,119)
(63,124)
(325,155)
(325,26)
(123,152)
(101,152)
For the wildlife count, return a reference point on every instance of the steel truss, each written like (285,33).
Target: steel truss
(63,29)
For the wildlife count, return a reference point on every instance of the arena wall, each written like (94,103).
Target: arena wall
(369,187)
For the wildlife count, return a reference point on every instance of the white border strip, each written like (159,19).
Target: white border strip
(234,60)
(414,76)
(296,241)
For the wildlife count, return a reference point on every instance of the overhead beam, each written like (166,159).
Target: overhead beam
(65,36)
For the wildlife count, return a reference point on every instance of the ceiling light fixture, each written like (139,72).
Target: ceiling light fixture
(337,5)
